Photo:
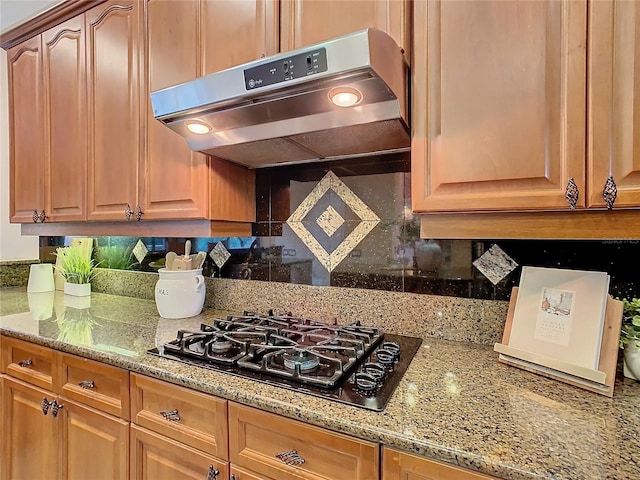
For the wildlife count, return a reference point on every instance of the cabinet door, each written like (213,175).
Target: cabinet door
(252,24)
(29,440)
(154,457)
(176,179)
(403,466)
(498,105)
(26,131)
(304,22)
(94,445)
(114,59)
(66,140)
(614,101)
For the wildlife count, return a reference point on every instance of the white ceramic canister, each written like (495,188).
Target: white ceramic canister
(180,293)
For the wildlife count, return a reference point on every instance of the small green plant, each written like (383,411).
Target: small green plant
(76,267)
(117,257)
(630,331)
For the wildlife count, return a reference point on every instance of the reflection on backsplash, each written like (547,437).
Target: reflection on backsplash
(350,224)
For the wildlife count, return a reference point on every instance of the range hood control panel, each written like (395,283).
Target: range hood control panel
(288,68)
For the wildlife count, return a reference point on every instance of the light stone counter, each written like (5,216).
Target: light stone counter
(456,403)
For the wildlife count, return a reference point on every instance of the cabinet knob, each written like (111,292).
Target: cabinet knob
(233,477)
(36,216)
(88,384)
(290,458)
(25,363)
(212,473)
(43,216)
(610,192)
(55,408)
(171,415)
(571,194)
(139,213)
(128,212)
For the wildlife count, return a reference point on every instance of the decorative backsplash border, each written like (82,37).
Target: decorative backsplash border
(447,318)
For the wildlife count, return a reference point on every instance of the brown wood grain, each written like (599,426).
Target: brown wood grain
(578,225)
(614,101)
(498,112)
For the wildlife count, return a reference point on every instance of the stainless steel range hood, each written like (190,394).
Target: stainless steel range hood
(279,109)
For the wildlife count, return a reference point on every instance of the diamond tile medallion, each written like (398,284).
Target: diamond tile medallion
(219,254)
(330,221)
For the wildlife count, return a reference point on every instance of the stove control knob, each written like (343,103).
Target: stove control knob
(385,357)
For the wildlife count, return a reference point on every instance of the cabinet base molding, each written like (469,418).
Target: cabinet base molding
(177,228)
(578,225)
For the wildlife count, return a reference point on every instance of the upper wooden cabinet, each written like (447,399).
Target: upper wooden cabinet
(498,104)
(47,98)
(26,131)
(614,101)
(304,22)
(65,144)
(114,43)
(185,41)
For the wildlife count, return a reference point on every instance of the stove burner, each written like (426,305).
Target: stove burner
(301,359)
(351,363)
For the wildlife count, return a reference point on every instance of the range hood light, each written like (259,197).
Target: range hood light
(199,128)
(345,96)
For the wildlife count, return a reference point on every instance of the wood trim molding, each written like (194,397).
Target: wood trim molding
(621,225)
(55,15)
(178,228)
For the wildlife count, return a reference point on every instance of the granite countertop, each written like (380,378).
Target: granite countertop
(455,403)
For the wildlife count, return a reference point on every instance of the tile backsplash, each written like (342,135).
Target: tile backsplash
(349,224)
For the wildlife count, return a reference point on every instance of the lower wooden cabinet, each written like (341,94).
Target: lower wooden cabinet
(156,457)
(78,443)
(278,448)
(29,438)
(94,445)
(240,474)
(398,465)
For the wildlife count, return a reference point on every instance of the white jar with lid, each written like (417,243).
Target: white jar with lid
(180,293)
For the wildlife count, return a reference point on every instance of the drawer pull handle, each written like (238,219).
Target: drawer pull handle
(88,384)
(171,415)
(44,405)
(128,212)
(25,363)
(290,458)
(212,473)
(55,408)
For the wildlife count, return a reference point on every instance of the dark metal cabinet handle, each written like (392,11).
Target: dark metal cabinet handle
(571,194)
(139,213)
(233,477)
(25,363)
(43,216)
(88,384)
(290,458)
(171,415)
(45,404)
(212,473)
(36,216)
(55,408)
(128,212)
(610,192)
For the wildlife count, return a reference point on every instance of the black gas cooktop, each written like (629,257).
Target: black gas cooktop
(353,364)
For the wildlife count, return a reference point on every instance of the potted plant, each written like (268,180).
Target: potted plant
(630,337)
(78,269)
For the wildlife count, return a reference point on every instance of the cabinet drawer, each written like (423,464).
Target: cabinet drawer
(190,417)
(258,440)
(240,474)
(95,384)
(30,363)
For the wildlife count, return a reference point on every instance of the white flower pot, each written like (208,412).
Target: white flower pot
(631,364)
(77,289)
